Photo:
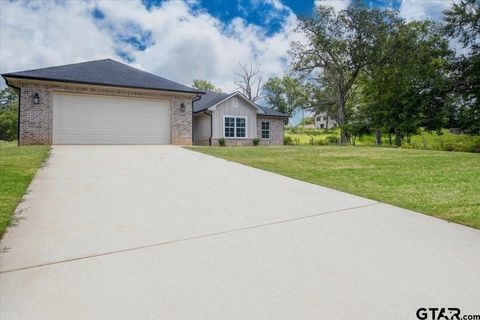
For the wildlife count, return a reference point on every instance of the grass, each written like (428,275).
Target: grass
(17,168)
(442,184)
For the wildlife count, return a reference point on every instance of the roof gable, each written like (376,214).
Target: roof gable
(211,99)
(237,94)
(103,72)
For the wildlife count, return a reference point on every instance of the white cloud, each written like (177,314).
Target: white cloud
(187,43)
(336,4)
(34,34)
(423,9)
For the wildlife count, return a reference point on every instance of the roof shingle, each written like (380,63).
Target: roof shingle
(103,72)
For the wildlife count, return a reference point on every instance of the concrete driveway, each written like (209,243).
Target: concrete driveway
(160,232)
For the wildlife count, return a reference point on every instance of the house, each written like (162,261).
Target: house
(108,102)
(324,121)
(236,119)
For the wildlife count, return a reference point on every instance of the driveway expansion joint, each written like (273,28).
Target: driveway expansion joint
(208,235)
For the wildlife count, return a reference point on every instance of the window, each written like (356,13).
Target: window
(235,102)
(240,124)
(265,130)
(319,118)
(235,127)
(324,117)
(229,127)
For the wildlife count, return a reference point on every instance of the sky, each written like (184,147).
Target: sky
(180,40)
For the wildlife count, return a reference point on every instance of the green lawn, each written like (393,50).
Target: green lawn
(17,168)
(442,184)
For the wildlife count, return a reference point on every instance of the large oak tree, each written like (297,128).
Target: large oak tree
(339,46)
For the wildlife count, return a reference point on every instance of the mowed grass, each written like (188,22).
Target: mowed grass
(442,184)
(17,168)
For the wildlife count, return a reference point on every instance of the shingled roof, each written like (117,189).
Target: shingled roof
(105,72)
(211,98)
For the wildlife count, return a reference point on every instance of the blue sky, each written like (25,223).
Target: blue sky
(180,40)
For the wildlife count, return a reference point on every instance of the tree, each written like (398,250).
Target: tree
(321,101)
(462,23)
(8,114)
(407,86)
(340,46)
(309,120)
(286,94)
(248,80)
(205,85)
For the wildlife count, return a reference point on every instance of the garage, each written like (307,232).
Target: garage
(89,119)
(101,102)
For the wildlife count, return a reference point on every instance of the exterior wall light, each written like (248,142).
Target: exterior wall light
(36,98)
(182,107)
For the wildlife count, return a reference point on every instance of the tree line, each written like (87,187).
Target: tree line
(374,72)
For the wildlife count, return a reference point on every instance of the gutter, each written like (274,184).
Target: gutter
(19,92)
(5,75)
(193,128)
(211,127)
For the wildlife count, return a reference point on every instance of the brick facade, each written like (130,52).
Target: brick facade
(276,130)
(234,142)
(36,119)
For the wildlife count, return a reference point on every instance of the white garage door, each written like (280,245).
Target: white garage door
(83,119)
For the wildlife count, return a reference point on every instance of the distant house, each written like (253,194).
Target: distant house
(324,121)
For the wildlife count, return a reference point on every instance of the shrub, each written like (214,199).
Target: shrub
(476,145)
(406,145)
(256,141)
(294,130)
(221,142)
(332,139)
(287,141)
(8,124)
(322,142)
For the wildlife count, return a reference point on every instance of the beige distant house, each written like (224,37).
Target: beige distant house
(324,121)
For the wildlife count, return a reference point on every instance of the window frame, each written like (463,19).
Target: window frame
(235,127)
(262,130)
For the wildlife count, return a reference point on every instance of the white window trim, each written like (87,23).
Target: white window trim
(235,102)
(235,127)
(269,131)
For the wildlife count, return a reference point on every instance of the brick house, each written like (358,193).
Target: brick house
(108,102)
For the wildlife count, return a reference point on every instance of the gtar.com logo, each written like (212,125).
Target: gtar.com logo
(444,314)
(438,314)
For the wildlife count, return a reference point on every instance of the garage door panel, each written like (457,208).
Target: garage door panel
(72,124)
(81,119)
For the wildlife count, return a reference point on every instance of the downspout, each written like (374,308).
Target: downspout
(211,127)
(193,129)
(19,104)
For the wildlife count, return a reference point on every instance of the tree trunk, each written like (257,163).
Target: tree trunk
(341,121)
(341,112)
(398,137)
(326,125)
(378,137)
